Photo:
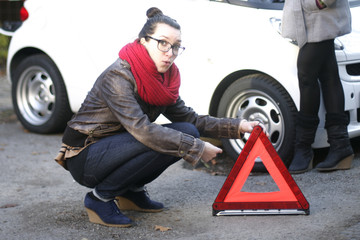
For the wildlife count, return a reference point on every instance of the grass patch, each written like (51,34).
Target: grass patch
(4,45)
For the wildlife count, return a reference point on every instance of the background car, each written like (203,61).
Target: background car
(10,19)
(236,64)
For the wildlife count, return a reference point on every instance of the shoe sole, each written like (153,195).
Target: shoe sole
(342,165)
(125,204)
(300,171)
(94,218)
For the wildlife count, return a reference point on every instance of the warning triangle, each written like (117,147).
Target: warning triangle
(232,201)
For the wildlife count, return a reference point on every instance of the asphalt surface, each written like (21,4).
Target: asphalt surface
(40,200)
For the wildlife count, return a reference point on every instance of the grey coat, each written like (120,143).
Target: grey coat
(304,22)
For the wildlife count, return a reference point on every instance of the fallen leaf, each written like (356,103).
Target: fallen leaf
(205,163)
(10,205)
(161,228)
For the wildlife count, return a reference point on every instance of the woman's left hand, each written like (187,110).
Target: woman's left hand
(248,126)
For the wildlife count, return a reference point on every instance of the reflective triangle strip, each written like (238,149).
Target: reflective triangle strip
(231,197)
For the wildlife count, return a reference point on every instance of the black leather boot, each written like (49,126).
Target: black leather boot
(341,153)
(305,134)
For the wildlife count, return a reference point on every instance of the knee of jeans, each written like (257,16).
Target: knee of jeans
(187,128)
(193,131)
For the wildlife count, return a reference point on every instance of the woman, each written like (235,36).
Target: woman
(314,24)
(112,144)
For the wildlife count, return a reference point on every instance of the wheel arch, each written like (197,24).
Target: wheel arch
(24,53)
(227,81)
(21,55)
(56,123)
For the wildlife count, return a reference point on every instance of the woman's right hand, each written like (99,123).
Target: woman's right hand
(210,152)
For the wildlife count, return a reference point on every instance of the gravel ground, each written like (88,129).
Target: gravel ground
(40,200)
(5,89)
(6,110)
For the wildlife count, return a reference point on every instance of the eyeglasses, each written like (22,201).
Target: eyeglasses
(165,46)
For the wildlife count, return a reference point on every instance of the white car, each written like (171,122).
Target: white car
(236,64)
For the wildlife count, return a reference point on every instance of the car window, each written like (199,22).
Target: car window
(354,3)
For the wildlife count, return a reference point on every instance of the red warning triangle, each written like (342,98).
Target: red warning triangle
(232,201)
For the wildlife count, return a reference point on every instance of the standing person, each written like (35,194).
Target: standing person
(314,24)
(113,145)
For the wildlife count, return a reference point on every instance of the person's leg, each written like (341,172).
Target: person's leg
(105,212)
(99,210)
(129,191)
(306,126)
(332,89)
(134,173)
(308,64)
(136,198)
(183,127)
(340,154)
(120,162)
(76,165)
(101,158)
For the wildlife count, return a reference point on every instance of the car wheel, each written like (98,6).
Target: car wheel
(258,97)
(39,95)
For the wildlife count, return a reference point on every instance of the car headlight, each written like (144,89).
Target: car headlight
(276,24)
(338,45)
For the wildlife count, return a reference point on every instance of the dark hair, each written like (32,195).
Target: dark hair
(155,16)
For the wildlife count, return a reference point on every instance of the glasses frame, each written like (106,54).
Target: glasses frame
(180,48)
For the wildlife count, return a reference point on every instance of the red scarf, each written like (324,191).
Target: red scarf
(153,88)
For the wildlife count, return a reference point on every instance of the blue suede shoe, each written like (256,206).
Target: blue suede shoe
(138,201)
(105,213)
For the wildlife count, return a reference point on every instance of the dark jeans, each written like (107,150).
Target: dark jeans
(317,68)
(116,163)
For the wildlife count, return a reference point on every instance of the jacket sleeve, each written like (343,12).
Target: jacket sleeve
(208,126)
(122,102)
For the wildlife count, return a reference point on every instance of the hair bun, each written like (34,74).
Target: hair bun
(152,12)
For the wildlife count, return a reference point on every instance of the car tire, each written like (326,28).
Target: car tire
(259,97)
(39,95)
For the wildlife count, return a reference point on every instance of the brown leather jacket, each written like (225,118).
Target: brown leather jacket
(113,106)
